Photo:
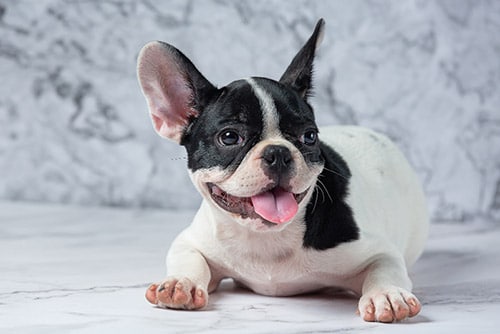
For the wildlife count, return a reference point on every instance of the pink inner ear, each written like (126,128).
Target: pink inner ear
(167,91)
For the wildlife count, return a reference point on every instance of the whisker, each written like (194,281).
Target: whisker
(320,190)
(325,189)
(327,169)
(315,198)
(178,158)
(336,173)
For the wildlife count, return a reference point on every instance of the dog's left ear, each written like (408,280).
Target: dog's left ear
(298,75)
(175,90)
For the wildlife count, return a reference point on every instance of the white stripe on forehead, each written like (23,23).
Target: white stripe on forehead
(270,117)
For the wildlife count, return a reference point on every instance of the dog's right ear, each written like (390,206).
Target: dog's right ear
(299,73)
(175,90)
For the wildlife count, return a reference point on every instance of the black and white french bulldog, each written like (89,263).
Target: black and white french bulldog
(284,212)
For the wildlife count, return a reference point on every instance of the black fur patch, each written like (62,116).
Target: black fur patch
(329,220)
(234,108)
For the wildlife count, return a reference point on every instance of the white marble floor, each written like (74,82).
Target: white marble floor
(84,270)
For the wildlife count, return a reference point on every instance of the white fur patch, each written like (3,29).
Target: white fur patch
(270,116)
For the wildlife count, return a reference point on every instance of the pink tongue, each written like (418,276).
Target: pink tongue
(277,206)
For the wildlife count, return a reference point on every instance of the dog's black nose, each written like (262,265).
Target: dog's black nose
(277,158)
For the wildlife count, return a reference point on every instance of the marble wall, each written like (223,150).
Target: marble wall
(74,126)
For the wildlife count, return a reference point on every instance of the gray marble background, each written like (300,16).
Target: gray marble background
(75,128)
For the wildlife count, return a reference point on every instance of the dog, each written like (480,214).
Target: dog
(287,208)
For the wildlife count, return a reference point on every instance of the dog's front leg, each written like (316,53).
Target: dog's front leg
(188,277)
(386,295)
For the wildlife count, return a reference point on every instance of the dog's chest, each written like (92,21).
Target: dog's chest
(274,277)
(279,274)
(287,286)
(274,263)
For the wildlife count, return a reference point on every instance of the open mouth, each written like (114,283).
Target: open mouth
(275,205)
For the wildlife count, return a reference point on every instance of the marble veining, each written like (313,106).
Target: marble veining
(75,128)
(67,269)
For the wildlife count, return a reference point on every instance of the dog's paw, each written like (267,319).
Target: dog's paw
(177,294)
(388,305)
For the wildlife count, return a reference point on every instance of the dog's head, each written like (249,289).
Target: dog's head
(253,149)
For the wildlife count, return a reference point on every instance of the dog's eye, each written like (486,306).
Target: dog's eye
(230,137)
(309,137)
